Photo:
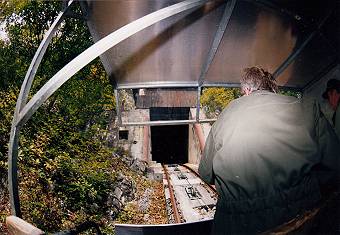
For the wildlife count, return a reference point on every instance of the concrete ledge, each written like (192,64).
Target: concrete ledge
(17,226)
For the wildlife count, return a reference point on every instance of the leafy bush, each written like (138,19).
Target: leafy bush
(215,99)
(65,171)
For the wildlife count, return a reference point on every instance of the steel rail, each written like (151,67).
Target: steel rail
(23,113)
(172,196)
(221,84)
(169,122)
(158,84)
(196,173)
(21,101)
(200,200)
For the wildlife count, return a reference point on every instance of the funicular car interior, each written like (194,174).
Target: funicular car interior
(191,44)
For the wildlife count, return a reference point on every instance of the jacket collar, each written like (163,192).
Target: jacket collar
(262,92)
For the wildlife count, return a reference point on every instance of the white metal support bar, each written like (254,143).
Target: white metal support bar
(198,103)
(118,107)
(25,111)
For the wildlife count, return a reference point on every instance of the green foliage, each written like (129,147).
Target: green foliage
(129,213)
(9,7)
(66,173)
(217,98)
(84,183)
(290,93)
(7,104)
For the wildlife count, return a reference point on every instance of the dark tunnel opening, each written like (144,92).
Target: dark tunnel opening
(169,144)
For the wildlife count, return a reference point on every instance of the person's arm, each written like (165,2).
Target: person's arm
(205,168)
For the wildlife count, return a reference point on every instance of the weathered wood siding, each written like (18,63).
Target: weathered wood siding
(166,98)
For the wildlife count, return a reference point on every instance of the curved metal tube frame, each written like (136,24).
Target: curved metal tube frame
(22,99)
(23,113)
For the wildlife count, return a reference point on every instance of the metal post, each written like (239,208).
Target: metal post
(167,122)
(217,39)
(118,108)
(13,171)
(198,105)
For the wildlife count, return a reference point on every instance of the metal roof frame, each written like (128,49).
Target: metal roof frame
(24,110)
(276,7)
(217,39)
(213,49)
(320,75)
(298,50)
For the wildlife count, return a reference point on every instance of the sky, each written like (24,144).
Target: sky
(3,34)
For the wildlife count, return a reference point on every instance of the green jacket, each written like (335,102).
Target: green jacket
(329,112)
(260,154)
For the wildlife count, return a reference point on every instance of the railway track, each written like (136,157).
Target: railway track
(188,198)
(212,188)
(173,213)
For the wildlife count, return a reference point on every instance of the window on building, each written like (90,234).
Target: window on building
(123,134)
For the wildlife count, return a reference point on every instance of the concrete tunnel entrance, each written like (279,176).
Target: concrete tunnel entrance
(169,144)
